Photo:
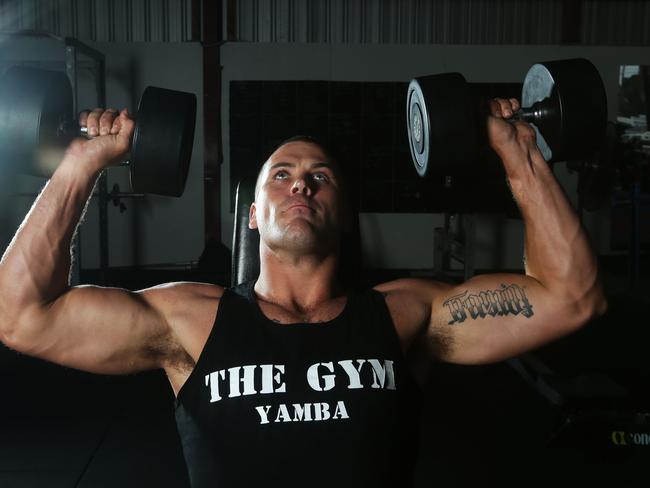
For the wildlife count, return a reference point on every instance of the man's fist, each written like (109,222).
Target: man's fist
(509,138)
(110,135)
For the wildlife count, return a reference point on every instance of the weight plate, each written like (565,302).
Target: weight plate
(418,127)
(538,86)
(162,141)
(33,104)
(441,124)
(578,126)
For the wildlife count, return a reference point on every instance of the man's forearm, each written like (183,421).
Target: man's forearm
(35,267)
(557,250)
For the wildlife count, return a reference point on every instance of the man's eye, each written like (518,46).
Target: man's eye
(320,177)
(281,175)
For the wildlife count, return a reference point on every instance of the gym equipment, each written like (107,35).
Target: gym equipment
(565,101)
(36,123)
(245,241)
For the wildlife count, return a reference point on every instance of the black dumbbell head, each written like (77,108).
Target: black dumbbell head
(162,142)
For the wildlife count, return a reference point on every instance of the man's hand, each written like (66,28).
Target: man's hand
(513,141)
(110,138)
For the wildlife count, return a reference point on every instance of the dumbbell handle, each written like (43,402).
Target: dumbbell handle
(536,113)
(529,114)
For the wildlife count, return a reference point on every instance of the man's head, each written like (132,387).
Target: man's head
(300,199)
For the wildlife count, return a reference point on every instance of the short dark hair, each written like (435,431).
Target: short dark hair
(311,140)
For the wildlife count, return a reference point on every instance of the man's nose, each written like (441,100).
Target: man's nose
(301,185)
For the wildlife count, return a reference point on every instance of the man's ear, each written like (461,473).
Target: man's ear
(252,217)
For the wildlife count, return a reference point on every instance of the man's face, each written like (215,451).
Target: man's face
(298,203)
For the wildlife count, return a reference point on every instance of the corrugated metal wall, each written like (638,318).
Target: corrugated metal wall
(616,22)
(604,22)
(101,20)
(400,21)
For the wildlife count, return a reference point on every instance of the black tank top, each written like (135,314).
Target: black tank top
(300,405)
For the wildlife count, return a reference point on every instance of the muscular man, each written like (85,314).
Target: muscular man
(293,380)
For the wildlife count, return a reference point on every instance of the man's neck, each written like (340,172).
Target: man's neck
(300,284)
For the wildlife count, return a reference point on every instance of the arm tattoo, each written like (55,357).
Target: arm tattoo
(505,301)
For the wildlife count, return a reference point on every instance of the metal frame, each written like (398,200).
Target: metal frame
(73,48)
(455,242)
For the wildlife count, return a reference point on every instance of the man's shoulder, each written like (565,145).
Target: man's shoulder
(409,302)
(184,301)
(411,288)
(187,290)
(189,310)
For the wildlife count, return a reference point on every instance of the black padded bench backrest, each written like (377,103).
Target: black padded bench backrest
(245,241)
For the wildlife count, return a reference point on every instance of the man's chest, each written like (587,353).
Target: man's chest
(322,313)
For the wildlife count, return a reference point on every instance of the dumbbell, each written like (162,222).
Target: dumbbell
(36,122)
(564,100)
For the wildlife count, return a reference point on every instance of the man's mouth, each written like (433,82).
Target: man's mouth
(300,205)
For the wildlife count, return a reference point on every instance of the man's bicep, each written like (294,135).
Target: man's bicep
(492,317)
(100,330)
